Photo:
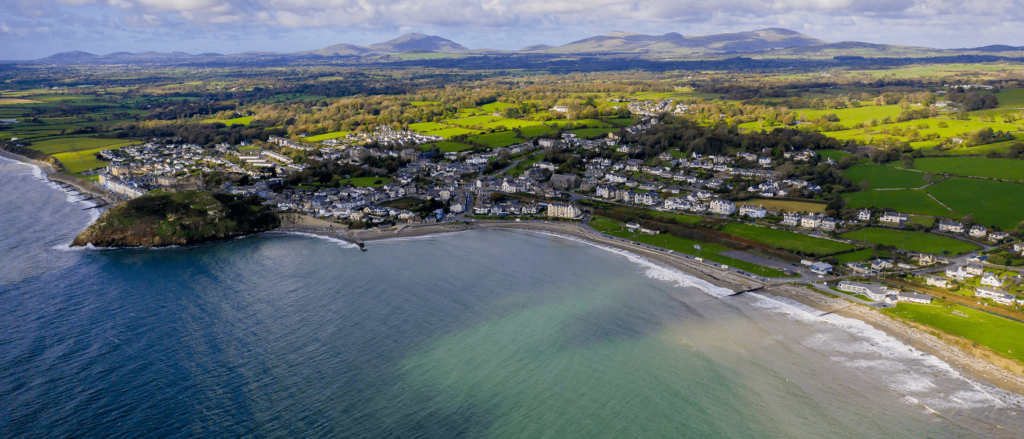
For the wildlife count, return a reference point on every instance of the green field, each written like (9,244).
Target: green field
(999,334)
(833,154)
(244,120)
(1005,169)
(1013,98)
(993,203)
(67,144)
(497,140)
(680,245)
(80,161)
(911,201)
(322,137)
(911,241)
(855,256)
(592,133)
(786,240)
(365,181)
(885,177)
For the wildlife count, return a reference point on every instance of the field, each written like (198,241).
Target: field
(448,146)
(497,140)
(912,201)
(911,241)
(67,144)
(833,154)
(992,203)
(999,334)
(1005,169)
(786,240)
(244,120)
(365,181)
(680,245)
(80,161)
(885,177)
(785,205)
(322,137)
(855,256)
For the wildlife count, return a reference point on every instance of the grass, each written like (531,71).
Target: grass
(833,154)
(786,206)
(885,177)
(67,144)
(448,146)
(999,334)
(911,241)
(786,240)
(591,133)
(993,203)
(80,161)
(681,245)
(244,120)
(911,201)
(1005,169)
(855,256)
(365,181)
(497,140)
(327,136)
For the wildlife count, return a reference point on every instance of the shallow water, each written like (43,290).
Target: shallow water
(475,334)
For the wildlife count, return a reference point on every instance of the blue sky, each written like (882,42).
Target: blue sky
(31,29)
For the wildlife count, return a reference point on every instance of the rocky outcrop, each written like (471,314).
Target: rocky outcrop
(183,218)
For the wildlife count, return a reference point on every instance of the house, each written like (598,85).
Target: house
(991,279)
(632,226)
(929,259)
(790,219)
(811,221)
(863,215)
(723,207)
(753,211)
(765,162)
(936,281)
(999,296)
(881,264)
(951,227)
(977,231)
(1018,247)
(564,210)
(974,270)
(998,236)
(914,298)
(958,273)
(565,181)
(829,224)
(857,268)
(894,218)
(873,292)
(821,268)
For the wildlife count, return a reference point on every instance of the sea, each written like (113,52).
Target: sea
(478,334)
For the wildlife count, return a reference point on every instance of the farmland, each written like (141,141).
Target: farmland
(1005,169)
(997,333)
(911,241)
(244,120)
(992,203)
(322,137)
(67,144)
(80,161)
(908,201)
(885,177)
(448,146)
(786,240)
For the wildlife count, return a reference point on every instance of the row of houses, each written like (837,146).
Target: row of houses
(879,293)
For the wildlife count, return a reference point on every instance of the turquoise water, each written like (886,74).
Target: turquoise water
(476,334)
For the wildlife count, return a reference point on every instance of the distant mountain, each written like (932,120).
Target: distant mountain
(996,48)
(622,42)
(418,42)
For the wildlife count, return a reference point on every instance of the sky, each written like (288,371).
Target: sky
(31,29)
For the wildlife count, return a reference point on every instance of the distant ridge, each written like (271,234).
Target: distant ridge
(624,42)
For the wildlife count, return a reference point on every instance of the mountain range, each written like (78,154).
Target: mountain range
(781,42)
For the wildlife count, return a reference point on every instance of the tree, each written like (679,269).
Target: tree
(968,219)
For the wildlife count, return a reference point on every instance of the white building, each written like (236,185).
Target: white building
(874,292)
(936,281)
(999,296)
(564,210)
(951,227)
(723,207)
(753,211)
(991,280)
(811,221)
(863,215)
(894,218)
(914,297)
(977,231)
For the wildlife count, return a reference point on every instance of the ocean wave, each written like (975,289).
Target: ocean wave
(904,369)
(341,242)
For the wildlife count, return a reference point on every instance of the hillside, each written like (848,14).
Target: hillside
(622,42)
(183,218)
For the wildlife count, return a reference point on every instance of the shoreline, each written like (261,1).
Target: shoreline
(975,366)
(84,187)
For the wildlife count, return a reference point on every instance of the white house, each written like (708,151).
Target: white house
(765,161)
(829,224)
(914,297)
(821,268)
(975,270)
(753,211)
(998,296)
(991,280)
(894,218)
(790,219)
(874,292)
(936,281)
(958,273)
(563,210)
(811,221)
(723,207)
(951,227)
(977,231)
(881,264)
(997,236)
(863,215)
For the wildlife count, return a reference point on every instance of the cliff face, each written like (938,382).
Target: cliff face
(182,218)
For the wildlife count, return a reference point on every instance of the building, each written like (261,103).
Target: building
(991,280)
(821,268)
(723,207)
(894,218)
(951,227)
(999,296)
(914,298)
(564,210)
(565,181)
(790,219)
(881,264)
(958,273)
(977,231)
(811,221)
(936,281)
(863,215)
(873,292)
(998,236)
(753,211)
(829,224)
(975,270)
